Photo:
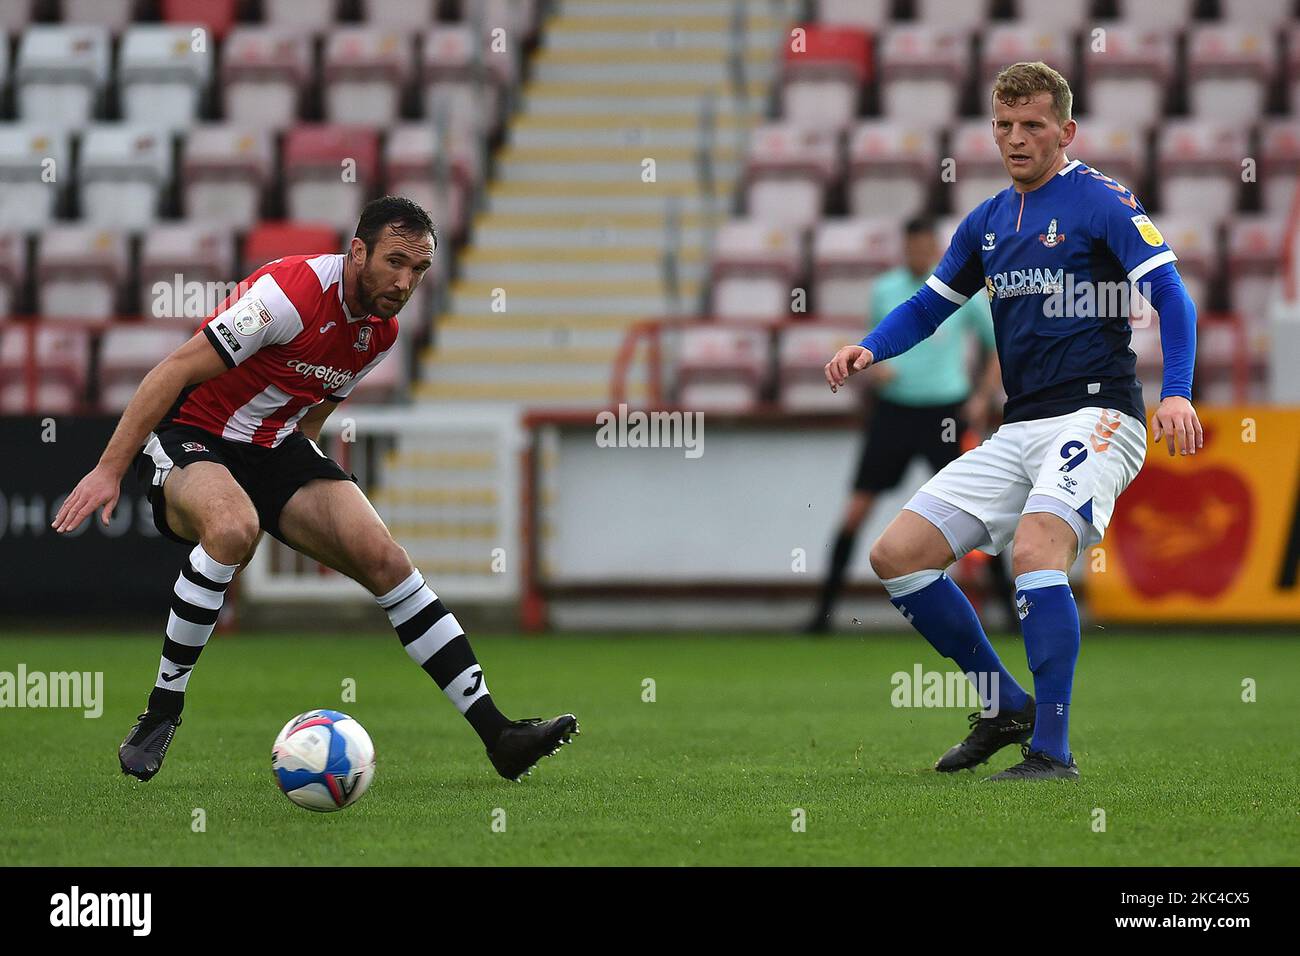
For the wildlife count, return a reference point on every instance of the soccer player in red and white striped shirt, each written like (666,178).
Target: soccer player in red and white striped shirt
(228,424)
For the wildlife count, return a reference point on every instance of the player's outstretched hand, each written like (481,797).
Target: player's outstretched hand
(850,359)
(98,489)
(1176,421)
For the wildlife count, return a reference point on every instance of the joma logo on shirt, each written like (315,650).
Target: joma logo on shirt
(331,378)
(1006,285)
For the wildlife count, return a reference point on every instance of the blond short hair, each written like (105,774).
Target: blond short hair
(1021,82)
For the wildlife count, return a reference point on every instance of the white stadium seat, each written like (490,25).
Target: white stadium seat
(61,74)
(406,14)
(123,173)
(922,69)
(162,77)
(411,157)
(868,14)
(802,352)
(1128,80)
(1280,164)
(79,271)
(1257,13)
(1059,15)
(1144,13)
(453,71)
(364,72)
(263,73)
(721,368)
(954,14)
(1006,43)
(891,168)
(127,353)
(755,264)
(1229,70)
(225,170)
(1115,149)
(115,15)
(847,254)
(185,269)
(1199,166)
(980,171)
(311,16)
(1196,243)
(34,170)
(1255,245)
(789,171)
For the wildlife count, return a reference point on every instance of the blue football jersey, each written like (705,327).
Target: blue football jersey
(1057,264)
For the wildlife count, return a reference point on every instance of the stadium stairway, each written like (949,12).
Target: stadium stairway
(573,245)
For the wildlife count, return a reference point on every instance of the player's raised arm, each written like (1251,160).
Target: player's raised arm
(194,362)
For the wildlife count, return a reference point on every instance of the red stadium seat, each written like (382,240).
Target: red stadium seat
(186,269)
(1280,163)
(273,240)
(1200,167)
(1229,69)
(80,271)
(263,73)
(218,16)
(28,200)
(364,73)
(867,14)
(1128,80)
(225,170)
(161,77)
(1007,43)
(922,69)
(755,264)
(823,78)
(789,171)
(13,271)
(61,73)
(720,368)
(847,254)
(62,359)
(802,353)
(127,353)
(330,172)
(123,174)
(891,168)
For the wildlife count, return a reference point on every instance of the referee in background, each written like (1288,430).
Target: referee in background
(925,401)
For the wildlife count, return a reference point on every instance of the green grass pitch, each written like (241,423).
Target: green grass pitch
(743,731)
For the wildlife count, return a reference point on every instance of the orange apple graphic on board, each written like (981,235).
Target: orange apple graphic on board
(1183,530)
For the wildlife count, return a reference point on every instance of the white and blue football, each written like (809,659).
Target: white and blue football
(323,760)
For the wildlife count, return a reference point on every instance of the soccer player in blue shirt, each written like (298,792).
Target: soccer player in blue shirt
(1058,253)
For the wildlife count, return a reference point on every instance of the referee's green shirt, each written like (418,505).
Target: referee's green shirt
(935,371)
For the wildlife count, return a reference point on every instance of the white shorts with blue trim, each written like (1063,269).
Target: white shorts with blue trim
(1074,466)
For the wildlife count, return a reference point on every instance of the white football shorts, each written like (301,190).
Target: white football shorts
(1073,466)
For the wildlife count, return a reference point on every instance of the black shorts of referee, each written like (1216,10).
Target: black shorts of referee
(895,434)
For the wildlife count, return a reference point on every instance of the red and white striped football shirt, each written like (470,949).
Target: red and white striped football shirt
(290,344)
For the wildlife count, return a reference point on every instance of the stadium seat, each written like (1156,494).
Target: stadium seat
(329,172)
(891,168)
(1259,13)
(1200,167)
(225,170)
(866,14)
(755,264)
(822,80)
(1280,166)
(13,271)
(1229,69)
(980,172)
(1007,43)
(1144,13)
(61,74)
(127,352)
(310,16)
(1116,150)
(186,269)
(80,270)
(273,240)
(1058,15)
(411,160)
(263,73)
(15,15)
(364,73)
(113,15)
(123,174)
(1255,246)
(455,75)
(847,254)
(922,69)
(1196,243)
(31,159)
(721,368)
(62,358)
(802,353)
(217,16)
(162,77)
(406,14)
(1128,80)
(953,14)
(788,173)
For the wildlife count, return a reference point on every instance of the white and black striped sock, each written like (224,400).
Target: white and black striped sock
(435,640)
(196,602)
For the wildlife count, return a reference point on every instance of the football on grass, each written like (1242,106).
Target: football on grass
(323,760)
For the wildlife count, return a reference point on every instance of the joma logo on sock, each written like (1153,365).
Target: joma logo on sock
(75,909)
(968,691)
(74,689)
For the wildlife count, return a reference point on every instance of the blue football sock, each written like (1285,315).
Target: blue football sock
(1049,620)
(935,606)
